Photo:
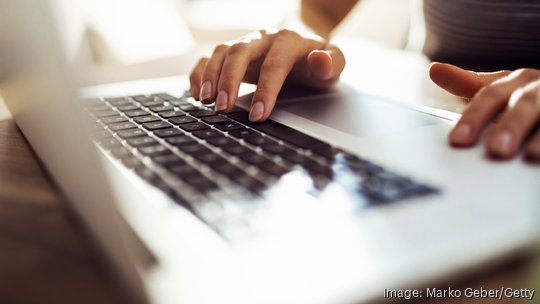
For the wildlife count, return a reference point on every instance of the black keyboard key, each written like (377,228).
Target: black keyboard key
(237,149)
(203,113)
(156,125)
(141,98)
(113,119)
(320,170)
(260,140)
(142,141)
(182,120)
(168,132)
(221,141)
(168,160)
(201,183)
(277,149)
(194,126)
(228,169)
(249,183)
(353,160)
(417,190)
(194,149)
(312,165)
(215,119)
(388,187)
(146,174)
(280,131)
(136,113)
(364,168)
(132,162)
(295,158)
(105,113)
(273,169)
(189,108)
(122,126)
(161,108)
(237,110)
(373,187)
(152,103)
(145,119)
(242,133)
(173,113)
(117,100)
(120,102)
(121,152)
(178,102)
(210,158)
(114,100)
(184,171)
(154,150)
(254,158)
(329,153)
(304,161)
(390,176)
(205,134)
(163,96)
(131,133)
(127,107)
(164,187)
(181,140)
(229,126)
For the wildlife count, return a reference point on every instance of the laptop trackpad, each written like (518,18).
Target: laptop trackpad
(355,113)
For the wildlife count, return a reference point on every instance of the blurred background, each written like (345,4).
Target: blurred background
(105,35)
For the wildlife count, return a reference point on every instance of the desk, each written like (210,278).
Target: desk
(46,256)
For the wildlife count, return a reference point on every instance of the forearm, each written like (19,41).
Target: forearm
(315,18)
(324,15)
(318,16)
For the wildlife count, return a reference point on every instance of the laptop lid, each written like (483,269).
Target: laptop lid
(39,91)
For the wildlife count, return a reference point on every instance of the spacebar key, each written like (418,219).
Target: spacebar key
(280,131)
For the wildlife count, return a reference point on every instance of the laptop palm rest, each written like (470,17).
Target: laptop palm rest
(347,110)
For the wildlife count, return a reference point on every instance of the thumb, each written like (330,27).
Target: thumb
(323,67)
(320,64)
(460,82)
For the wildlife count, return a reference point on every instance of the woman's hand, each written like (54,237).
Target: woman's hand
(268,59)
(515,95)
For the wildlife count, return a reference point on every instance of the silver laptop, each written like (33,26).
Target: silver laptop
(340,197)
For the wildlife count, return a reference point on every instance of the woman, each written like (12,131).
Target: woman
(480,33)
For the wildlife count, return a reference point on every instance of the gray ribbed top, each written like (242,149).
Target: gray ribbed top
(483,34)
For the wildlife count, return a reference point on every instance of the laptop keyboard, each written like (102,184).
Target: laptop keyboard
(191,153)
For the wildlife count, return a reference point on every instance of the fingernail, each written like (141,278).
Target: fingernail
(194,91)
(502,144)
(222,101)
(257,111)
(461,134)
(206,91)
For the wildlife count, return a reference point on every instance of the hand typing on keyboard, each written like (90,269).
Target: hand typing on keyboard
(514,96)
(269,59)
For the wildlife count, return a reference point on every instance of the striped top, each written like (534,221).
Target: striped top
(483,34)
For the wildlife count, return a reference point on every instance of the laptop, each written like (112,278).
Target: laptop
(341,197)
